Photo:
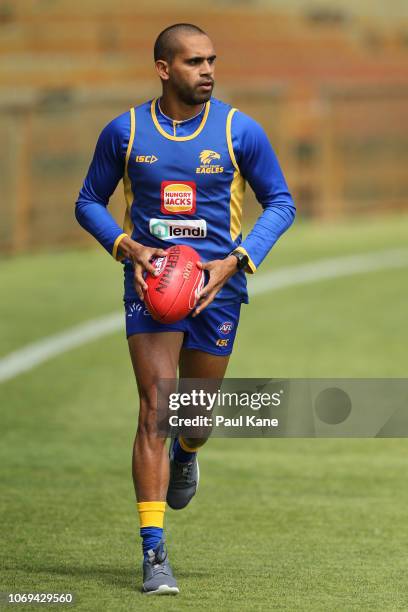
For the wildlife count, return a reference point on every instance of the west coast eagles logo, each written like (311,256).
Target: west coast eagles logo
(206,157)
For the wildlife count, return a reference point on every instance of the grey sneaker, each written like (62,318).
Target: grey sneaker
(158,578)
(183,482)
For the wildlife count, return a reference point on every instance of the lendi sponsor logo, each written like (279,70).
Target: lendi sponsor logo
(178,197)
(167,229)
(207,167)
(146,159)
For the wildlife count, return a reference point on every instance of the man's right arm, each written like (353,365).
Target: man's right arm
(106,170)
(104,174)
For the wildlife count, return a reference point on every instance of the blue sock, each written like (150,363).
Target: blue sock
(151,537)
(181,455)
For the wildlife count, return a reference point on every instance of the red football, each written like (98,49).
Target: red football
(172,294)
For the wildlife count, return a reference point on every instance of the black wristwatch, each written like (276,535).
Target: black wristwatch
(242,259)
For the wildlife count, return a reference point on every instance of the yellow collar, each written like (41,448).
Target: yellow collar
(181,138)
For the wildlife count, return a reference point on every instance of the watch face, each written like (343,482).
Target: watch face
(242,260)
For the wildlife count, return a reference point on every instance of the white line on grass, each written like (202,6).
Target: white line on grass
(326,269)
(35,353)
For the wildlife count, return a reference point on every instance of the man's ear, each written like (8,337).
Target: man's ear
(162,68)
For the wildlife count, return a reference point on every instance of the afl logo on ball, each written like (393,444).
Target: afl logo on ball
(159,264)
(178,197)
(226,327)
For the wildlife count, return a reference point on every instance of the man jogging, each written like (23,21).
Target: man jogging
(184,160)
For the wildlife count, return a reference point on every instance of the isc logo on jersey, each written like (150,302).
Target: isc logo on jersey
(178,197)
(146,159)
(167,229)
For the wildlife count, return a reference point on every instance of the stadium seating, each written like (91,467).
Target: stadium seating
(321,87)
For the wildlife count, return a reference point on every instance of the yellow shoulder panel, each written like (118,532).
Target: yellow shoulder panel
(237,185)
(127,185)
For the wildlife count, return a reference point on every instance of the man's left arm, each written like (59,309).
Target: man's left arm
(259,165)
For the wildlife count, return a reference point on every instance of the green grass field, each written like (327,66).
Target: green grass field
(285,524)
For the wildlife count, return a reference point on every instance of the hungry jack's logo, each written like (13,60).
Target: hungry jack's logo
(178,198)
(206,157)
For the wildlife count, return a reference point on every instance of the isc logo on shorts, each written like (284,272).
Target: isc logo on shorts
(178,197)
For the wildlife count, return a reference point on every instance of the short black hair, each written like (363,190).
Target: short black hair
(165,47)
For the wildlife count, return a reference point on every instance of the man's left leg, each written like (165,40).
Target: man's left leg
(207,346)
(198,364)
(184,470)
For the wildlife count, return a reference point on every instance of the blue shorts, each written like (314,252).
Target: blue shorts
(212,331)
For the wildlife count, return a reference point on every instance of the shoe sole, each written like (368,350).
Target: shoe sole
(163,589)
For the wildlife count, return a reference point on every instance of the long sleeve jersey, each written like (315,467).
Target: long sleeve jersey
(184,183)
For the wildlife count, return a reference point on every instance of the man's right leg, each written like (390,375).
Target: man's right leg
(154,356)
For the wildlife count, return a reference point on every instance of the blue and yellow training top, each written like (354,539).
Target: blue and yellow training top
(184,183)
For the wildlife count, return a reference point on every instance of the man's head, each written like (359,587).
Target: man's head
(185,58)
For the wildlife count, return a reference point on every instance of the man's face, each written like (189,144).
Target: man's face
(190,74)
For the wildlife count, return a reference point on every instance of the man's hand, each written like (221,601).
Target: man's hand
(141,256)
(220,270)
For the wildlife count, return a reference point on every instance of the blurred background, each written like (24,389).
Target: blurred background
(327,79)
(302,520)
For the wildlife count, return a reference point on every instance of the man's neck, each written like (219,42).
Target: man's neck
(177,110)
